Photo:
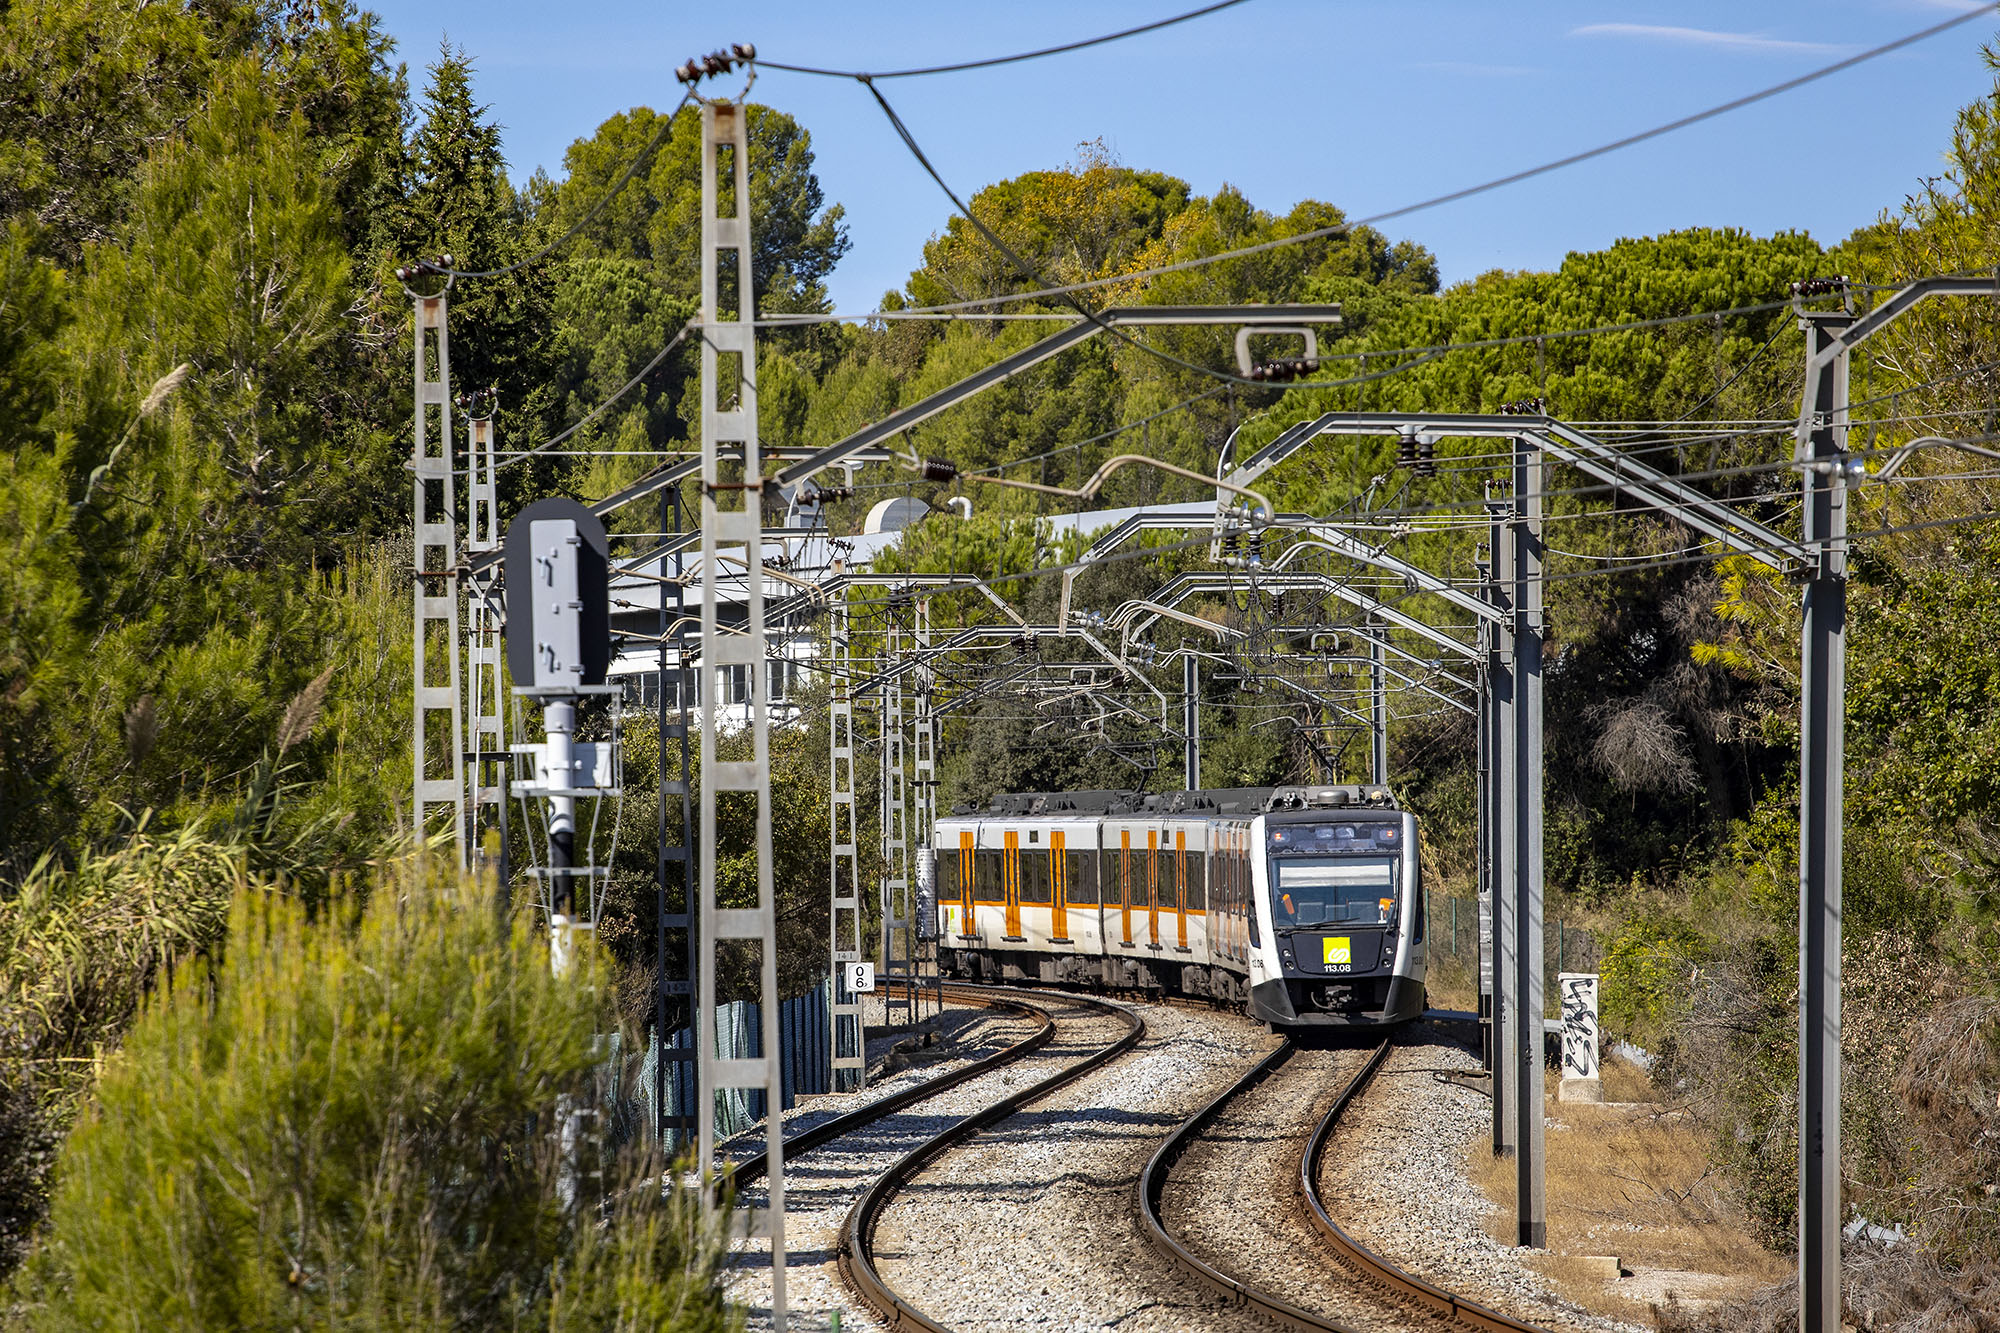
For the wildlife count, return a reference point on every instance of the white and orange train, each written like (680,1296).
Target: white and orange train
(1303,905)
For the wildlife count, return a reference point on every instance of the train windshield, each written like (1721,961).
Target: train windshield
(1329,891)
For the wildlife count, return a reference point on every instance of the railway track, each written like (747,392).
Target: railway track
(831,1164)
(857,1249)
(1269,1169)
(752,1166)
(864,1160)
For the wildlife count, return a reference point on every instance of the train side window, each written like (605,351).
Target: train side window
(947,875)
(1082,886)
(1035,887)
(1197,890)
(986,876)
(1423,912)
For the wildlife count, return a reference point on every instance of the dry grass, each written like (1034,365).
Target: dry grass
(1634,1182)
(1451,983)
(1626,1082)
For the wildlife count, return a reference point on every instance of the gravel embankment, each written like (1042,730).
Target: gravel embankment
(1234,1199)
(1034,1226)
(1394,1179)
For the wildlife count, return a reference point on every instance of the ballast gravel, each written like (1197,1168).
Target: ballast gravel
(821,1186)
(1235,1200)
(1394,1179)
(1034,1225)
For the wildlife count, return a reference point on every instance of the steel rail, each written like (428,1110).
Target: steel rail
(1365,1261)
(751,1167)
(1152,1188)
(857,1239)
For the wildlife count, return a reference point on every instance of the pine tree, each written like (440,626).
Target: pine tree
(457,201)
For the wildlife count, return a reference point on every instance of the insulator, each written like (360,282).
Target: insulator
(937,469)
(689,72)
(745,51)
(1426,457)
(1406,450)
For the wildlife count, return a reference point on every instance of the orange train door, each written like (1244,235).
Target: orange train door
(1058,888)
(1010,883)
(968,923)
(1125,882)
(1153,884)
(1180,884)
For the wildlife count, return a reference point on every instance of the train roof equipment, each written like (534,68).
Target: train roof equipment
(1238,801)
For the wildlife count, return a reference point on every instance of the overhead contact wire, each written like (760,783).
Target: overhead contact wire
(1498,182)
(992,61)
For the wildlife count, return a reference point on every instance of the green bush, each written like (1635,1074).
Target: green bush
(80,947)
(350,1124)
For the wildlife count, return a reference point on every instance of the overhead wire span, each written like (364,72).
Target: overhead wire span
(1143,552)
(1668,562)
(1027,270)
(599,410)
(1741,371)
(1483,187)
(991,61)
(1918,387)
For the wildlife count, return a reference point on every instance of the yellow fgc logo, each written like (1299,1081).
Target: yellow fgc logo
(1336,949)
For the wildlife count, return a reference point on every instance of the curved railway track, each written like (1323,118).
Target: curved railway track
(752,1166)
(1405,1301)
(1365,1261)
(857,1257)
(1400,1295)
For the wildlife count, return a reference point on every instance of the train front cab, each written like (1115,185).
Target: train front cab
(1339,907)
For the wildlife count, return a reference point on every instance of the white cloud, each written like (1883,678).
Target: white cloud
(1733,41)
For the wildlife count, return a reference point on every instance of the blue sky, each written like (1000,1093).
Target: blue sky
(1369,105)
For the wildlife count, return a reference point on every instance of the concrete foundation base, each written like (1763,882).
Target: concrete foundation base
(1580,1090)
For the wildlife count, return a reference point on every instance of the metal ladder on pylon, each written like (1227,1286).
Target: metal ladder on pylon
(925,982)
(732,531)
(849,1055)
(485,686)
(434,559)
(898,960)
